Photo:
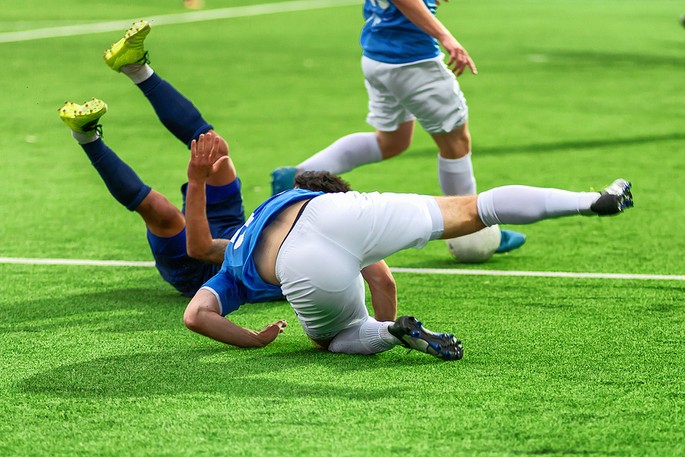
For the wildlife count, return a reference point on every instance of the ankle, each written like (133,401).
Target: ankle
(137,72)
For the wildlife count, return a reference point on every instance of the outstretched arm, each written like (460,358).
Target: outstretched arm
(203,316)
(383,290)
(206,158)
(419,14)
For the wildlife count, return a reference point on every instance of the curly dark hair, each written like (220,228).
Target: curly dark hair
(321,181)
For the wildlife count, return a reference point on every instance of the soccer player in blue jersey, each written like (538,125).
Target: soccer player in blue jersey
(316,249)
(188,245)
(313,248)
(407,80)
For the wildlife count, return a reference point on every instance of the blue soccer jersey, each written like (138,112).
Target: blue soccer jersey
(238,281)
(389,37)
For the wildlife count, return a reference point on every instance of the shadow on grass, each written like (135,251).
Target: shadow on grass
(115,310)
(213,371)
(564,146)
(612,60)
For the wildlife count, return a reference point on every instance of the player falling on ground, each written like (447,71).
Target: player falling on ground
(188,245)
(313,247)
(407,80)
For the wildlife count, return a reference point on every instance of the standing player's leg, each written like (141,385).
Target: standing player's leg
(357,149)
(394,132)
(431,92)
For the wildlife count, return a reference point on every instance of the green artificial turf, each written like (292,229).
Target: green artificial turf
(570,94)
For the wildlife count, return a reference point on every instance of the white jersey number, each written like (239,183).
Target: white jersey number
(239,236)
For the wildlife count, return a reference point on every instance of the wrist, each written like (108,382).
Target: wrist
(196,181)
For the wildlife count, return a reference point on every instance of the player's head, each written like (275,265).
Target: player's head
(321,181)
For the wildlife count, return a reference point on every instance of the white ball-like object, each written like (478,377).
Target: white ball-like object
(476,247)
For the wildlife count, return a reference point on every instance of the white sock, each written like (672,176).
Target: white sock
(371,337)
(345,154)
(525,205)
(456,176)
(85,138)
(137,72)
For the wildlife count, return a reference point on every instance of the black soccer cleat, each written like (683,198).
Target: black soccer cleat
(413,335)
(614,199)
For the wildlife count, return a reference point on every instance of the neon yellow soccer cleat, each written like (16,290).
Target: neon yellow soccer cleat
(83,118)
(130,49)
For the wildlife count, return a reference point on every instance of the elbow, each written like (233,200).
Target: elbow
(192,319)
(197,253)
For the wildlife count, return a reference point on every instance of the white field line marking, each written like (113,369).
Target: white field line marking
(97,263)
(538,274)
(424,271)
(178,18)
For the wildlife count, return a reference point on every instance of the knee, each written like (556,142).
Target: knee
(161,216)
(393,144)
(165,212)
(392,149)
(464,139)
(455,144)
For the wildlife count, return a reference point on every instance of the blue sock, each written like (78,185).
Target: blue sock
(123,183)
(176,112)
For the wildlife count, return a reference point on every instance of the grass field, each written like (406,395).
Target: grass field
(571,94)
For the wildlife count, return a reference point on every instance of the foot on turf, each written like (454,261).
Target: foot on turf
(282,179)
(83,118)
(130,49)
(413,335)
(614,199)
(510,240)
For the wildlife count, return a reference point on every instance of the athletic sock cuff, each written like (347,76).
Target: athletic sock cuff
(202,129)
(455,165)
(373,335)
(140,196)
(486,208)
(436,218)
(150,83)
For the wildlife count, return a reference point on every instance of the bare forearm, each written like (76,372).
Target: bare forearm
(200,244)
(383,291)
(221,329)
(384,305)
(417,12)
(203,316)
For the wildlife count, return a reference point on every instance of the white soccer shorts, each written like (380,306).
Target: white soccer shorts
(426,91)
(336,236)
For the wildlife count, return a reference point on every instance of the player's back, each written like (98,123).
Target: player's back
(239,257)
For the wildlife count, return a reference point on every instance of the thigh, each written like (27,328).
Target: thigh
(161,217)
(431,93)
(368,227)
(184,273)
(386,113)
(322,284)
(454,144)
